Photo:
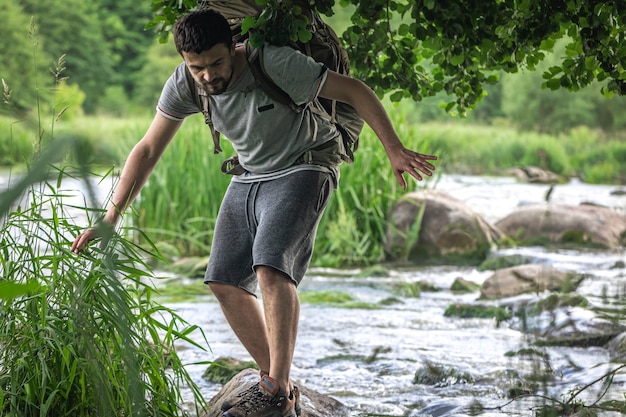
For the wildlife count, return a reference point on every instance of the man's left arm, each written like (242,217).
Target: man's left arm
(355,93)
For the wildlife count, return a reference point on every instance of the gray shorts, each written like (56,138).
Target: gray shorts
(271,223)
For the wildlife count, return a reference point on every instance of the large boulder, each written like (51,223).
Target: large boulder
(430,226)
(313,404)
(586,224)
(522,279)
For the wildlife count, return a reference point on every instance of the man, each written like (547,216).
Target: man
(267,222)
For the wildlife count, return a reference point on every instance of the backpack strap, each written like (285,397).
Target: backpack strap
(326,110)
(203,102)
(267,84)
(264,81)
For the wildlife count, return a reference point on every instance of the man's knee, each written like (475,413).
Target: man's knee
(268,272)
(226,292)
(269,276)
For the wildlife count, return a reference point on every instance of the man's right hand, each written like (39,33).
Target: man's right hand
(101,230)
(83,239)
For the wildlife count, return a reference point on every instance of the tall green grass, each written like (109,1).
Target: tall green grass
(179,204)
(352,232)
(81,334)
(181,200)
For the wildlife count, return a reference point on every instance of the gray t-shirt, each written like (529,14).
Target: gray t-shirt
(268,136)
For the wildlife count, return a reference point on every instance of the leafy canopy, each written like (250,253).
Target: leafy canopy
(420,48)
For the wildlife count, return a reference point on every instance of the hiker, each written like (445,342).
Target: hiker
(268,218)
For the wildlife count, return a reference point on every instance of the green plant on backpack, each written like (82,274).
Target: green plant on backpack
(278,24)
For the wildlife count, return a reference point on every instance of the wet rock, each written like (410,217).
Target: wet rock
(555,301)
(619,265)
(223,369)
(313,403)
(617,348)
(441,408)
(461,285)
(521,279)
(499,262)
(432,227)
(440,376)
(572,326)
(583,225)
(535,175)
(477,311)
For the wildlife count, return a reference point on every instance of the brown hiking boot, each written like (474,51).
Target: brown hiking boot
(263,400)
(295,393)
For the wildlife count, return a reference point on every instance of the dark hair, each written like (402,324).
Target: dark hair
(200,31)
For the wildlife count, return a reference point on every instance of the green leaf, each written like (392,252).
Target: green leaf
(396,96)
(257,39)
(304,35)
(11,290)
(590,63)
(457,60)
(247,23)
(553,84)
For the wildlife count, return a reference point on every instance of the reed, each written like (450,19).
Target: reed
(81,335)
(179,204)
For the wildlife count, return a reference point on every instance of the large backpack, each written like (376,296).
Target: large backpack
(324,47)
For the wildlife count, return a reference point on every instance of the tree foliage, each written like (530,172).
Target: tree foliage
(18,66)
(124,30)
(71,28)
(427,51)
(420,48)
(104,44)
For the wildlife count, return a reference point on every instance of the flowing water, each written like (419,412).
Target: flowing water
(367,358)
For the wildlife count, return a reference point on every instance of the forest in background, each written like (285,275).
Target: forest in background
(113,66)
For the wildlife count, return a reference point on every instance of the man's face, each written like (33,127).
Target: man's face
(213,69)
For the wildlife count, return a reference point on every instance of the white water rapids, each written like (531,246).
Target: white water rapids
(367,358)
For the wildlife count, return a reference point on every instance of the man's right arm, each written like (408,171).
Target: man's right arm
(138,167)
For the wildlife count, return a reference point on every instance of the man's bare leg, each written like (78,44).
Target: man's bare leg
(245,316)
(282,312)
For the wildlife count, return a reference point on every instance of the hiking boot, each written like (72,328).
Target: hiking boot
(295,393)
(230,402)
(263,400)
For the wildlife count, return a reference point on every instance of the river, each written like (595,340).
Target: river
(367,358)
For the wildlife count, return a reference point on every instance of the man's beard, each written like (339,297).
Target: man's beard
(219,85)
